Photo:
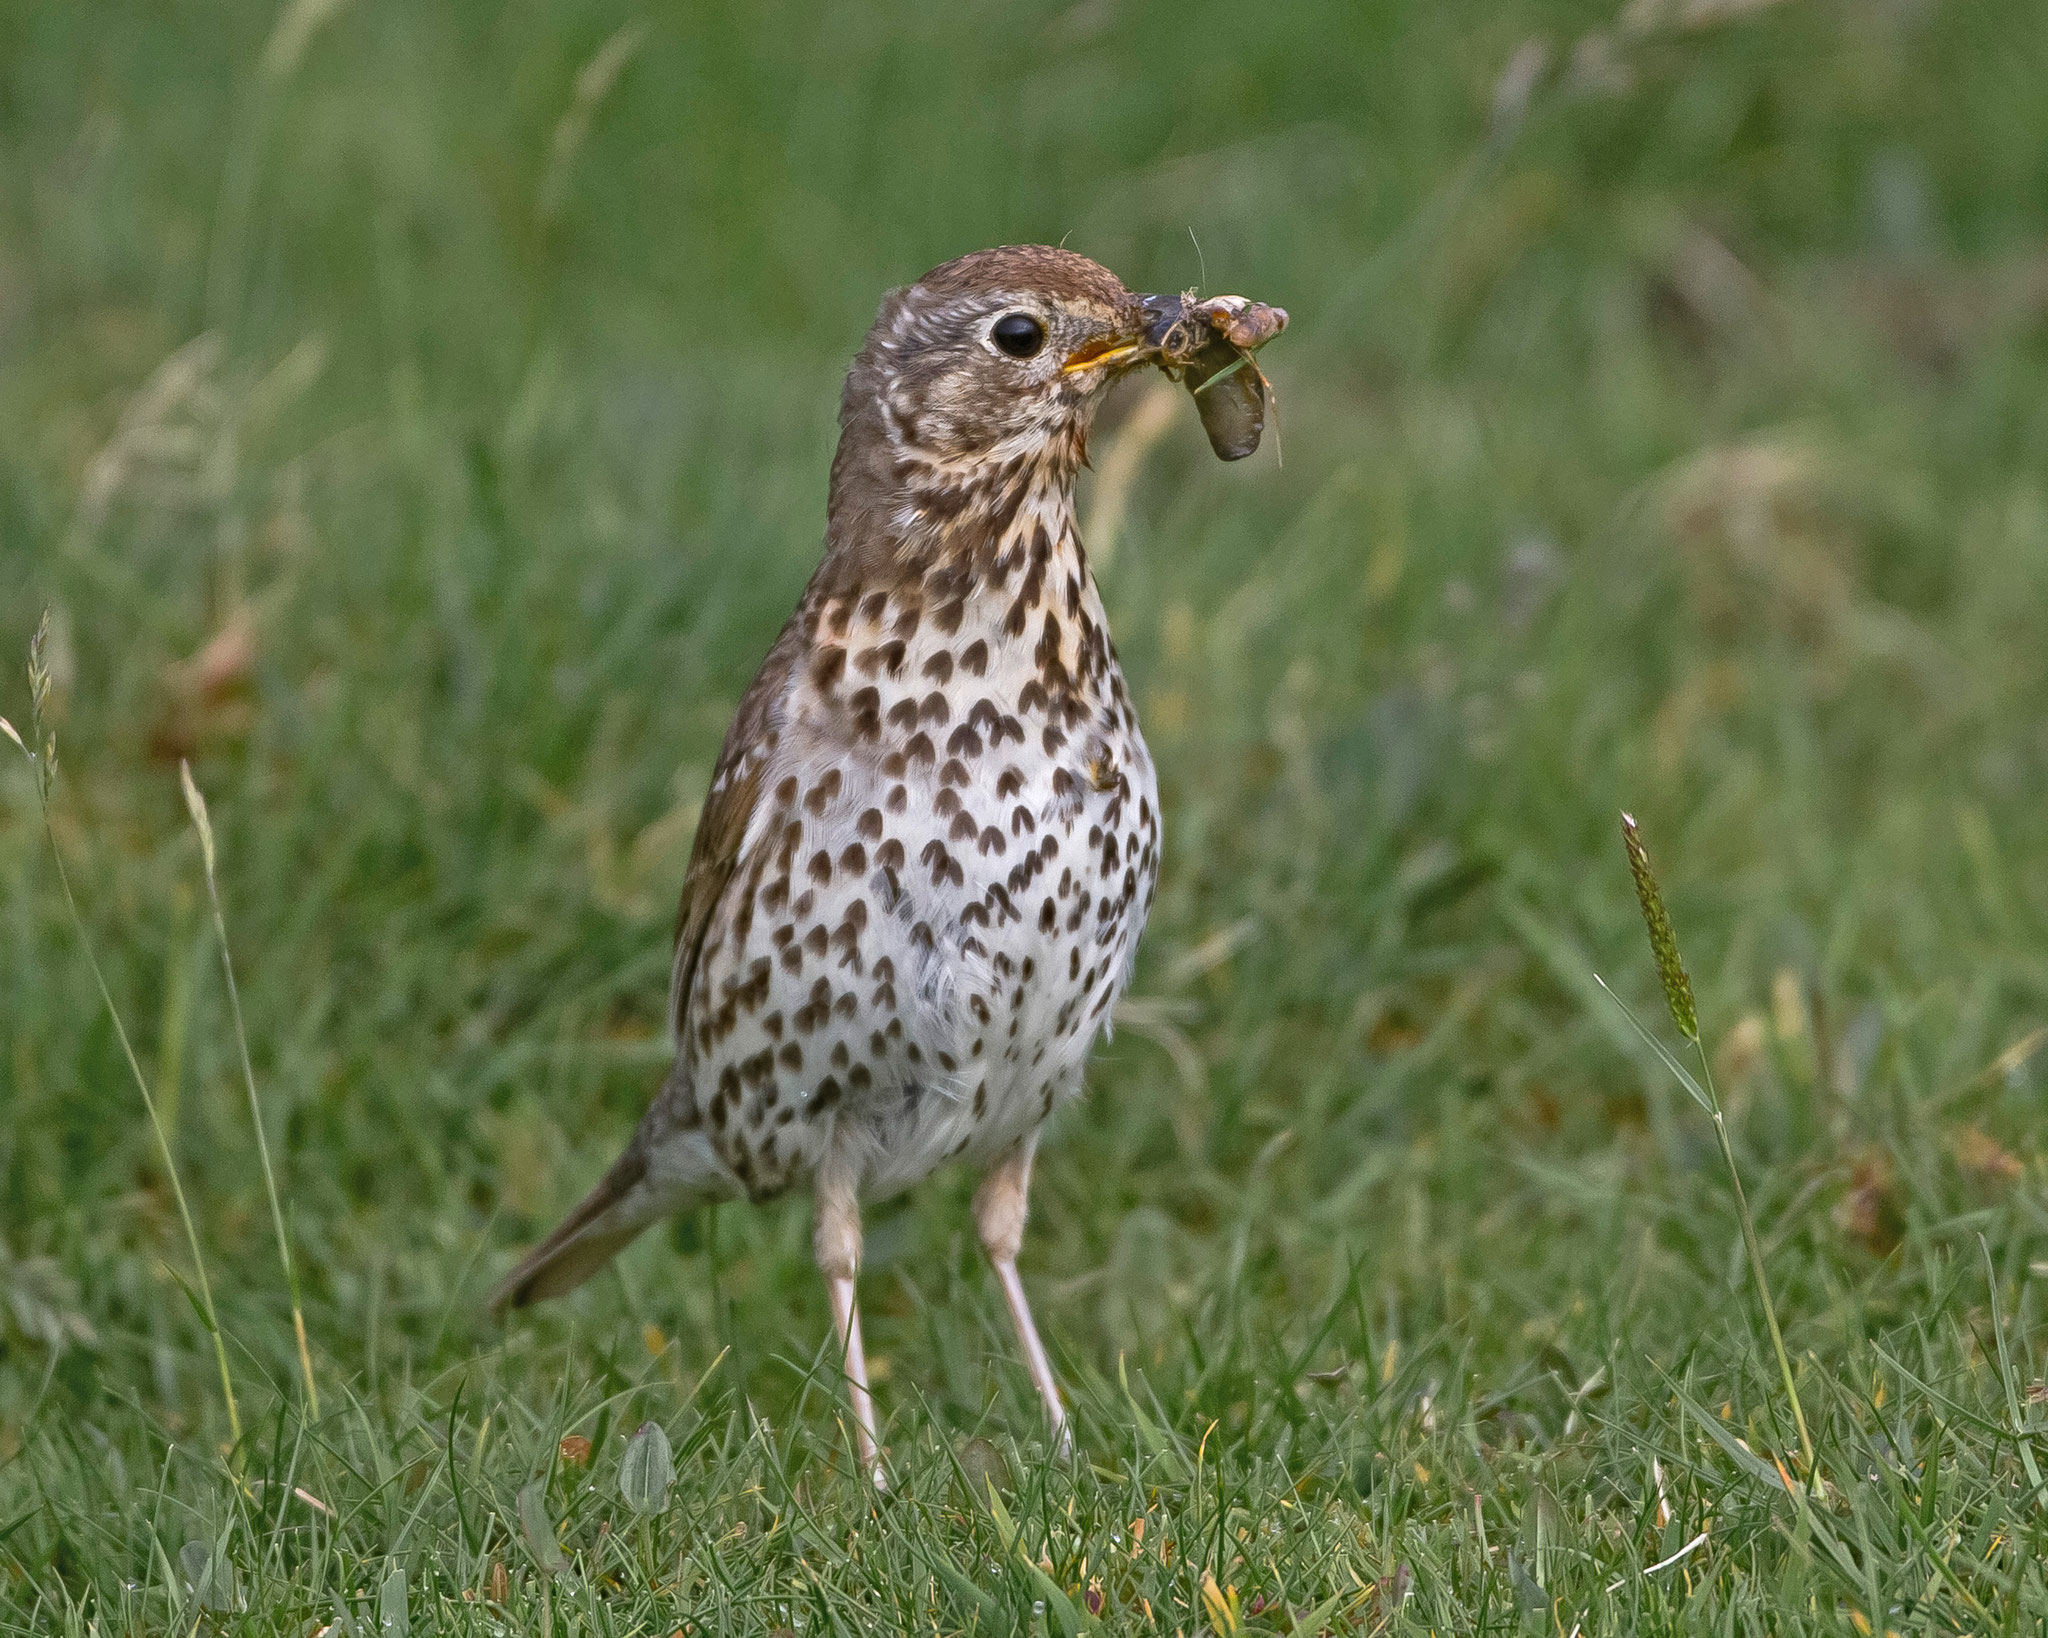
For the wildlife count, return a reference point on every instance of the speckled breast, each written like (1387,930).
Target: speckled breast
(938,900)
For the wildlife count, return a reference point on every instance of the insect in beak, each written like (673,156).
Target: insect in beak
(1207,346)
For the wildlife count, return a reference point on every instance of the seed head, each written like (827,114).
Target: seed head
(1663,941)
(39,666)
(38,704)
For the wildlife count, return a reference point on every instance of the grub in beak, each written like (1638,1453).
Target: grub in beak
(1208,346)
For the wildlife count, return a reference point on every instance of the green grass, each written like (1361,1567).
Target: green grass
(1672,439)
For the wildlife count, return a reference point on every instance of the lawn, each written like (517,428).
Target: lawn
(416,419)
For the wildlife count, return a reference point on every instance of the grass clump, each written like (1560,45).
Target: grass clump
(43,759)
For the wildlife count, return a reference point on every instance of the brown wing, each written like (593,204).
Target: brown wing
(736,782)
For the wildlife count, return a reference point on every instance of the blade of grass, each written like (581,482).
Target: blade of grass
(2010,1383)
(195,804)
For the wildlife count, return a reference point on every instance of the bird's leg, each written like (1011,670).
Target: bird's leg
(1000,1206)
(836,1242)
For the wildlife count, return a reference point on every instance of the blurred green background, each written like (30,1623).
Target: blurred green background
(418,417)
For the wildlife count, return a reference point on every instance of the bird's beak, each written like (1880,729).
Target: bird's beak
(1151,331)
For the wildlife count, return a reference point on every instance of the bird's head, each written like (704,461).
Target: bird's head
(985,374)
(999,355)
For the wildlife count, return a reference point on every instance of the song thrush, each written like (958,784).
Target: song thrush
(932,836)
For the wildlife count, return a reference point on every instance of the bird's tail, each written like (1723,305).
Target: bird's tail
(631,1195)
(600,1227)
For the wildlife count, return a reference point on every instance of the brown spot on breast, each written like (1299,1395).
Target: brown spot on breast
(1047,653)
(828,668)
(821,794)
(940,667)
(854,859)
(821,867)
(870,825)
(934,709)
(974,658)
(882,656)
(921,749)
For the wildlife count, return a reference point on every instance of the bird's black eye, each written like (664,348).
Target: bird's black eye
(1018,334)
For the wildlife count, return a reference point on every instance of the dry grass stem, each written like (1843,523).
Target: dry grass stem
(195,804)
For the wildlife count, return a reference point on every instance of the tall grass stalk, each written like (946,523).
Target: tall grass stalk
(195,804)
(43,758)
(1678,996)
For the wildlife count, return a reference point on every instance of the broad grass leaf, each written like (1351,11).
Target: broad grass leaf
(394,1617)
(647,1469)
(1068,1617)
(987,1608)
(211,1575)
(539,1529)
